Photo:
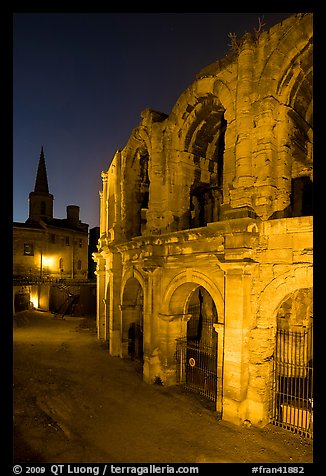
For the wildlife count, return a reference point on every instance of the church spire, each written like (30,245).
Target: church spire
(40,201)
(41,182)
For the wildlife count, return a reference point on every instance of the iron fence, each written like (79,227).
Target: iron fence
(197,367)
(292,402)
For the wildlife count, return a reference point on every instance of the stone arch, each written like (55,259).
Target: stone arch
(296,310)
(201,125)
(292,388)
(288,74)
(277,291)
(198,112)
(181,287)
(284,94)
(295,137)
(136,183)
(132,304)
(175,317)
(200,140)
(262,338)
(288,57)
(223,91)
(131,273)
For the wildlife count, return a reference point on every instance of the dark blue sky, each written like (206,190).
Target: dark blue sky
(81,80)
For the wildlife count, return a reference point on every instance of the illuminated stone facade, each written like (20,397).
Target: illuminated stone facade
(47,248)
(215,198)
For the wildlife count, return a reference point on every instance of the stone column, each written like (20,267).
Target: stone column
(236,374)
(100,298)
(114,312)
(264,157)
(103,204)
(171,327)
(243,113)
(150,359)
(219,329)
(262,345)
(114,198)
(283,167)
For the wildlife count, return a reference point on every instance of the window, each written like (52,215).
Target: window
(67,241)
(61,264)
(52,238)
(301,196)
(79,265)
(80,243)
(28,249)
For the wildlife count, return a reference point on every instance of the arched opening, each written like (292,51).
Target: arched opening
(206,143)
(197,351)
(132,320)
(301,197)
(205,204)
(201,140)
(293,364)
(136,197)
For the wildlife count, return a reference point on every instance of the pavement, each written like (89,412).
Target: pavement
(75,403)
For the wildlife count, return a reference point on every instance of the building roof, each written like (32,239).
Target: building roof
(64,223)
(52,223)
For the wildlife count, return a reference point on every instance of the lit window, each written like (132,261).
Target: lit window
(28,249)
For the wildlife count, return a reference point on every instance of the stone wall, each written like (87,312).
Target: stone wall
(217,196)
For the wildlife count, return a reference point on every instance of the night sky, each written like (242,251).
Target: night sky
(81,81)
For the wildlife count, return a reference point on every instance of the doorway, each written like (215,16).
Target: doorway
(197,351)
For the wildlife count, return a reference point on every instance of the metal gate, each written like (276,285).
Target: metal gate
(293,381)
(196,356)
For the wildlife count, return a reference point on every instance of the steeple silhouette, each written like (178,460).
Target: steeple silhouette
(40,201)
(41,182)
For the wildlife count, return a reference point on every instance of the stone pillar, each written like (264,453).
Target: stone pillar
(114,198)
(236,373)
(262,345)
(181,176)
(100,298)
(243,113)
(150,366)
(265,149)
(157,199)
(283,170)
(103,204)
(264,157)
(219,329)
(114,311)
(171,327)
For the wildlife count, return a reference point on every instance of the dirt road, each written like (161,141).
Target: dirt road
(73,403)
